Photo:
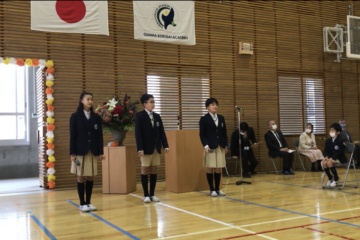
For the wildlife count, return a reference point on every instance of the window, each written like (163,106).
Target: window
(179,92)
(301,101)
(13,108)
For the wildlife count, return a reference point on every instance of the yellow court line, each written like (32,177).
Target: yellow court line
(38,229)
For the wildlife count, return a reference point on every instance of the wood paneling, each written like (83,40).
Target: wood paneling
(287,37)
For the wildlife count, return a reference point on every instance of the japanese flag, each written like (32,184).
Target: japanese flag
(89,17)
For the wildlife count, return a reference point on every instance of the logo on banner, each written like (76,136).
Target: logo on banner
(164,15)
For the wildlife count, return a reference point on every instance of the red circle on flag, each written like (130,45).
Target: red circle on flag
(71,11)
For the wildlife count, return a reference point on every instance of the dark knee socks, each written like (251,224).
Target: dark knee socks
(319,167)
(89,188)
(327,171)
(210,179)
(144,183)
(81,192)
(217,178)
(153,178)
(334,172)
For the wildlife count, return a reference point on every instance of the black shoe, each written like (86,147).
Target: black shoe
(357,166)
(247,175)
(286,173)
(253,173)
(291,173)
(313,169)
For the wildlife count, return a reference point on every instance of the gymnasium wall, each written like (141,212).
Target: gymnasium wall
(287,36)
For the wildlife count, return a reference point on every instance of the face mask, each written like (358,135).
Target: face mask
(308,130)
(332,134)
(242,133)
(343,125)
(274,127)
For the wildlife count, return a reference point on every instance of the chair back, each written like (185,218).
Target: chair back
(350,147)
(296,143)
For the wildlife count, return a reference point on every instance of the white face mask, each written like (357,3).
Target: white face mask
(308,130)
(332,134)
(274,127)
(242,133)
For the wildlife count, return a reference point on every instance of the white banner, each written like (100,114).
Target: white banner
(165,21)
(89,17)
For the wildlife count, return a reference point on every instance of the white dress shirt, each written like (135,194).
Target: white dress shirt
(87,114)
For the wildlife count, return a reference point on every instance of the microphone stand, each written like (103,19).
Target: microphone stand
(241,181)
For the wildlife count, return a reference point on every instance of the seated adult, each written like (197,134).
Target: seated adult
(247,155)
(347,138)
(307,147)
(278,147)
(334,152)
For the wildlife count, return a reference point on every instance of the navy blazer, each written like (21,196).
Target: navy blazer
(148,137)
(244,142)
(336,149)
(273,144)
(213,135)
(86,135)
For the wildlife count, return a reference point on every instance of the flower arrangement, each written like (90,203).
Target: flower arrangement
(117,114)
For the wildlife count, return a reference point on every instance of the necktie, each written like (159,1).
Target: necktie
(277,138)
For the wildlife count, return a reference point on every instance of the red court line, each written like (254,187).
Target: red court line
(294,227)
(330,234)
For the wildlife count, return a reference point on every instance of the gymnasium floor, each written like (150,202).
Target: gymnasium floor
(273,207)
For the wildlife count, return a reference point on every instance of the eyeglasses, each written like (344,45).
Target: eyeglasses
(153,102)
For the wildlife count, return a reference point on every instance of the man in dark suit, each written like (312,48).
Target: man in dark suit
(278,147)
(150,137)
(345,134)
(246,134)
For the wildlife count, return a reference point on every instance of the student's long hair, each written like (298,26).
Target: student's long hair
(80,108)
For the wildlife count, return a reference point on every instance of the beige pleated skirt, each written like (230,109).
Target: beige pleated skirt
(88,165)
(215,159)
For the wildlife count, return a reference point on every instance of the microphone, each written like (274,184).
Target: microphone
(238,107)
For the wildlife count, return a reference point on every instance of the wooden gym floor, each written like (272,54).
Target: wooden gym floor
(272,207)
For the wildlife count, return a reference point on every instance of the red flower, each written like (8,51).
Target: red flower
(126,102)
(128,97)
(103,107)
(131,112)
(104,103)
(117,110)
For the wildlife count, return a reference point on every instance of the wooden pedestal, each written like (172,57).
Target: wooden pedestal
(119,170)
(184,169)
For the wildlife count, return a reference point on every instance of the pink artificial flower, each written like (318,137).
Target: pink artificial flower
(131,112)
(126,102)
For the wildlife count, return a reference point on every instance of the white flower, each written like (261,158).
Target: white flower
(112,103)
(42,63)
(50,134)
(12,60)
(49,114)
(50,152)
(50,77)
(51,171)
(49,96)
(1,60)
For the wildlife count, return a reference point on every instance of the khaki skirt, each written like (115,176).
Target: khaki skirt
(215,159)
(88,165)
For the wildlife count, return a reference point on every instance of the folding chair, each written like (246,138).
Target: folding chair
(350,149)
(230,158)
(296,143)
(267,163)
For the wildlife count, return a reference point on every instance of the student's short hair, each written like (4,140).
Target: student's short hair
(341,120)
(210,101)
(144,98)
(268,123)
(244,126)
(336,126)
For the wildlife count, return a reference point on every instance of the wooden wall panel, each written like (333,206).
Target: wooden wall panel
(287,37)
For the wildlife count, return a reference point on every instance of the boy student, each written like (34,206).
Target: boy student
(214,139)
(150,136)
(334,151)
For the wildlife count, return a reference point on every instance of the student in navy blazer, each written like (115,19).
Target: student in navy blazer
(213,137)
(150,137)
(86,146)
(335,147)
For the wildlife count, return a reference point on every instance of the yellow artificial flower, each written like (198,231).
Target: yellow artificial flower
(51,178)
(50,139)
(6,61)
(50,120)
(49,101)
(49,83)
(51,158)
(49,63)
(28,62)
(111,108)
